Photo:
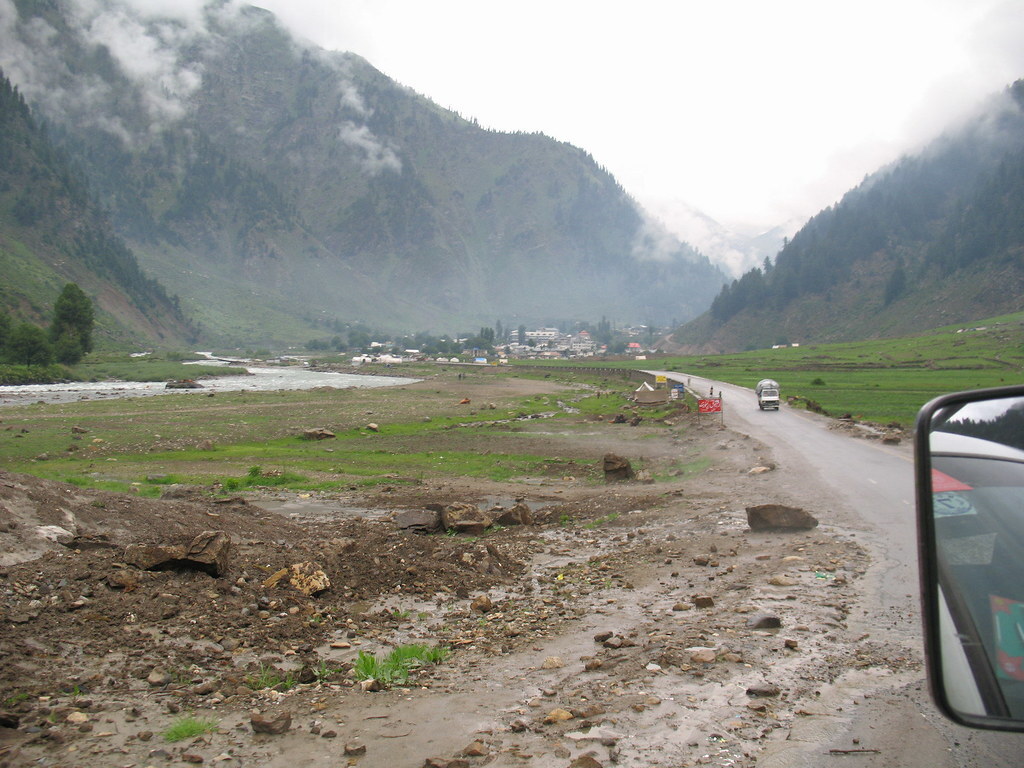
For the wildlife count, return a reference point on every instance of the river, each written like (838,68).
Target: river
(258,379)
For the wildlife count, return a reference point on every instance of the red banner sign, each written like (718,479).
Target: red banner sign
(709,406)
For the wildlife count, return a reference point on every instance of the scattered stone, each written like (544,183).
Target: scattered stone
(764,690)
(419,520)
(318,433)
(354,748)
(783,581)
(461,517)
(308,578)
(209,551)
(158,678)
(272,724)
(586,761)
(476,749)
(764,621)
(519,514)
(553,662)
(703,656)
(617,468)
(558,715)
(372,427)
(704,601)
(779,517)
(55,533)
(123,579)
(481,604)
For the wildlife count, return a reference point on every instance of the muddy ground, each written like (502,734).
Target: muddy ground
(635,623)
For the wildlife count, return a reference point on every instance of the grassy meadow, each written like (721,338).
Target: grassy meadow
(233,441)
(881,381)
(410,434)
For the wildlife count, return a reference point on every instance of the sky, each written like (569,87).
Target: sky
(754,113)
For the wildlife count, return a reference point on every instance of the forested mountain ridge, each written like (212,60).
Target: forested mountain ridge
(278,188)
(52,232)
(937,238)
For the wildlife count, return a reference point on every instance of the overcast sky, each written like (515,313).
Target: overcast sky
(753,112)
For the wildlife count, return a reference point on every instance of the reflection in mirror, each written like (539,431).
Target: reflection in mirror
(976,478)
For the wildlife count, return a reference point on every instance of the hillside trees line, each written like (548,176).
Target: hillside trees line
(67,341)
(937,213)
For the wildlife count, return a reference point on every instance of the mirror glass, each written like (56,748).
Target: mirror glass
(971,506)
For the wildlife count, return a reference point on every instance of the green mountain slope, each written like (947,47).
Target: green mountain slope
(278,188)
(935,239)
(52,233)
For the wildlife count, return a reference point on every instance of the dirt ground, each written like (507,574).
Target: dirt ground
(632,623)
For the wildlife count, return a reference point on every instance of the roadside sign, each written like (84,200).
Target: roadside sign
(709,405)
(660,380)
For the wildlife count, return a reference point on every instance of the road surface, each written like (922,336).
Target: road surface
(867,488)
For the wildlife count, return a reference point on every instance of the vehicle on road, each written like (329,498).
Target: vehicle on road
(767,391)
(969,464)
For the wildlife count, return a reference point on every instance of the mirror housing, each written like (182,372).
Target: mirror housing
(969,476)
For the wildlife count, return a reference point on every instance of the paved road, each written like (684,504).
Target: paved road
(869,488)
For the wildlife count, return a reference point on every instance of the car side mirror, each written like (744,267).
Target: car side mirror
(969,464)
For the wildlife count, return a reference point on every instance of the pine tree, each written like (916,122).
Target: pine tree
(71,329)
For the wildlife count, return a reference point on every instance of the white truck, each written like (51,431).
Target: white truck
(767,394)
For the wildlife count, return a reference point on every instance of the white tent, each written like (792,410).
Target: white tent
(645,394)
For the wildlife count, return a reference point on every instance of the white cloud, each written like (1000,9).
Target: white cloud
(377,157)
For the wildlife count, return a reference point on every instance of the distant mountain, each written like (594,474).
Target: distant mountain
(52,232)
(935,239)
(736,249)
(280,189)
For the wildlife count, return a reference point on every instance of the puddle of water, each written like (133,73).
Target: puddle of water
(319,510)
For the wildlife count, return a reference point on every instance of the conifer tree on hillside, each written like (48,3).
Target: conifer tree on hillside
(71,329)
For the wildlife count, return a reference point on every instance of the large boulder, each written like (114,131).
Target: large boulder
(419,520)
(779,517)
(518,514)
(617,468)
(210,552)
(465,518)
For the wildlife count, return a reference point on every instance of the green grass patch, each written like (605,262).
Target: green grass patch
(611,518)
(270,677)
(395,667)
(188,727)
(883,380)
